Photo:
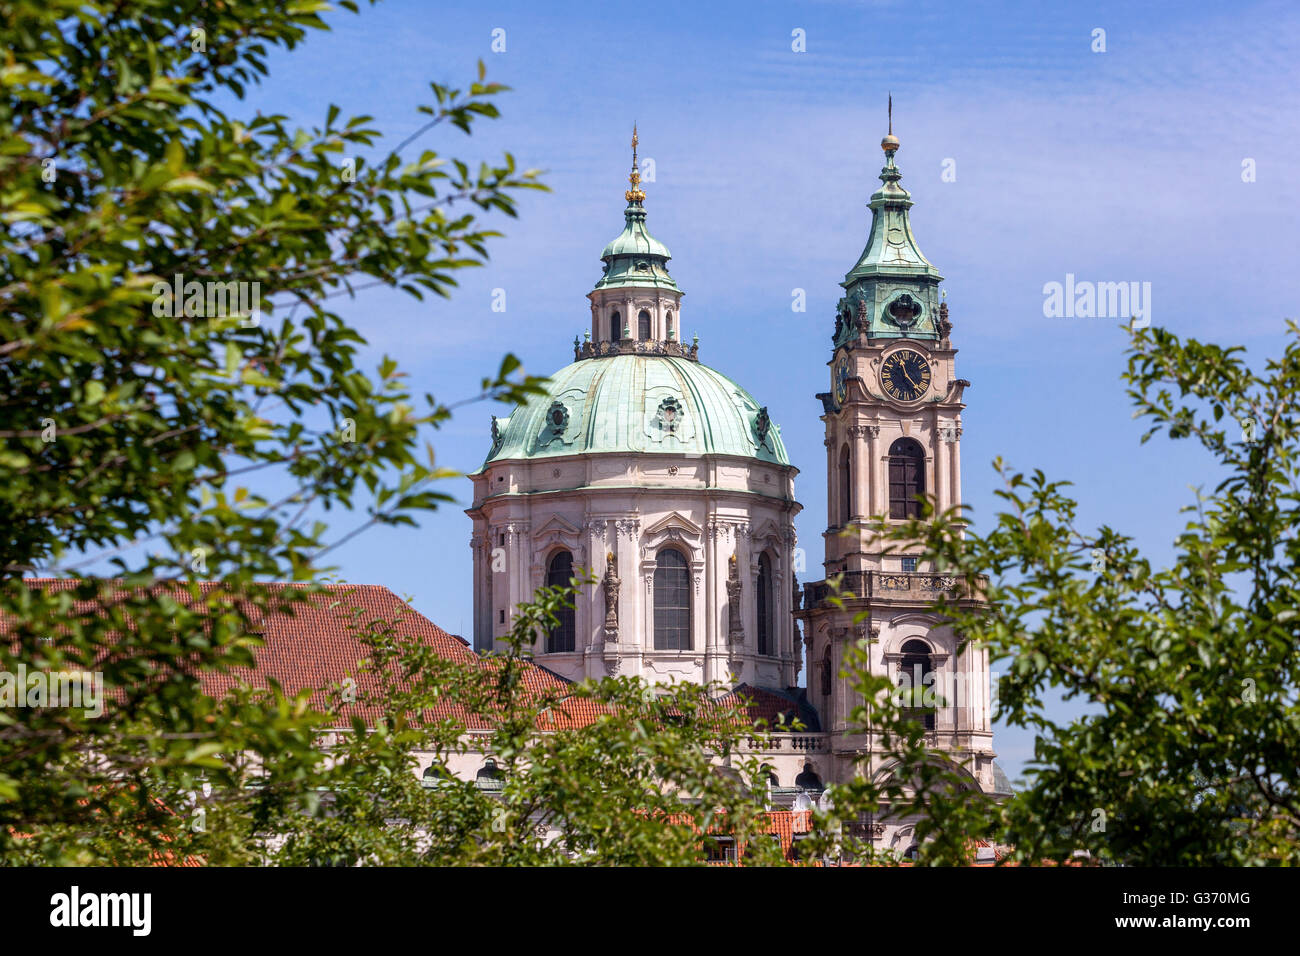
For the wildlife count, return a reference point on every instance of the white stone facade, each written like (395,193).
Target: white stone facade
(633,506)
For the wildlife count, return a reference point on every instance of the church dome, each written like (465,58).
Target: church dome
(656,404)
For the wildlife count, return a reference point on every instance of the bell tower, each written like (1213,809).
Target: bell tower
(893,431)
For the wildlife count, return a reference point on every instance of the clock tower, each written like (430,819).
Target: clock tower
(893,440)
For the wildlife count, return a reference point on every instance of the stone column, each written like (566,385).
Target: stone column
(478,596)
(941,474)
(955,464)
(710,638)
(878,479)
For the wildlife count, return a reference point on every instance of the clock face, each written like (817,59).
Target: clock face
(841,377)
(905,375)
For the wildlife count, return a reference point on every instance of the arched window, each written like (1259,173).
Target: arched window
(808,780)
(906,478)
(846,486)
(915,667)
(643,326)
(490,777)
(672,584)
(828,675)
(435,775)
(763,593)
(669,319)
(615,326)
(558,574)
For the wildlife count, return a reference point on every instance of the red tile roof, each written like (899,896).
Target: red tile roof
(314,645)
(761,704)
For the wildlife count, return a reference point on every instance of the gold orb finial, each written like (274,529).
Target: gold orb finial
(636,193)
(890,143)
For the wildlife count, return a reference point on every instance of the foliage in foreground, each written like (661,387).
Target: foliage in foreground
(190,438)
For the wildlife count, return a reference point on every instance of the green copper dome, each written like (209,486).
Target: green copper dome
(634,258)
(653,404)
(635,239)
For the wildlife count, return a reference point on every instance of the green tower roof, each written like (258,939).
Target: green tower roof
(891,247)
(654,404)
(892,291)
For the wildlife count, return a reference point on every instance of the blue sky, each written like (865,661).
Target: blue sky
(1117,166)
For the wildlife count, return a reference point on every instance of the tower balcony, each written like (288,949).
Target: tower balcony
(669,347)
(862,587)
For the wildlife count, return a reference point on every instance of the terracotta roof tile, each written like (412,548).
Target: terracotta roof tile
(315,645)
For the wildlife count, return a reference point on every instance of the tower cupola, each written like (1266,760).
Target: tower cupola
(892,291)
(635,298)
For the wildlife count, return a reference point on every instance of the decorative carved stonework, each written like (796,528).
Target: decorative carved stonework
(735,626)
(557,418)
(945,327)
(669,415)
(796,596)
(941,582)
(628,526)
(722,528)
(762,424)
(860,321)
(611,585)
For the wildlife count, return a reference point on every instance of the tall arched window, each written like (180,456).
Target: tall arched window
(672,584)
(827,673)
(643,326)
(763,593)
(906,478)
(490,777)
(558,574)
(846,486)
(615,326)
(669,319)
(915,667)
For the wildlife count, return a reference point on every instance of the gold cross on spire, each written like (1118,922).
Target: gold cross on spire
(635,194)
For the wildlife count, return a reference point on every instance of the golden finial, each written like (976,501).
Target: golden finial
(635,194)
(890,143)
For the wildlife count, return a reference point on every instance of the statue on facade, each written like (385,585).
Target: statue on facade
(735,629)
(611,584)
(861,320)
(945,327)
